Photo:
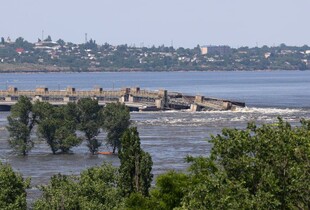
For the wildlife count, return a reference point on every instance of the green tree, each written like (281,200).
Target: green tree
(90,117)
(168,193)
(170,189)
(67,138)
(48,39)
(61,42)
(57,126)
(263,167)
(47,131)
(66,133)
(20,124)
(13,189)
(136,165)
(22,43)
(95,188)
(70,114)
(136,201)
(116,120)
(60,193)
(47,123)
(209,187)
(98,188)
(19,42)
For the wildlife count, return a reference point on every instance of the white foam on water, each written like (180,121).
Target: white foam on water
(218,118)
(238,119)
(268,110)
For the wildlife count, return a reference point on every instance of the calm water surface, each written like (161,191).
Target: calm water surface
(167,136)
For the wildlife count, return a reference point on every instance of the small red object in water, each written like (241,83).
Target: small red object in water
(105,153)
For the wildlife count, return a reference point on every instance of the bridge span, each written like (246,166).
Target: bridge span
(135,98)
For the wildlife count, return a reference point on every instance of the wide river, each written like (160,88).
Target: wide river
(168,136)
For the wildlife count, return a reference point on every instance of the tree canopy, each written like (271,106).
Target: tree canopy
(136,165)
(116,120)
(20,124)
(57,126)
(261,167)
(90,121)
(264,167)
(13,189)
(95,188)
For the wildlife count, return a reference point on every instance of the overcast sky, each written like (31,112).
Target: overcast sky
(155,22)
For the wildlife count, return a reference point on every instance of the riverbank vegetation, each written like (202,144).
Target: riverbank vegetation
(260,167)
(59,56)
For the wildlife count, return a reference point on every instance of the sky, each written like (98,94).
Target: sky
(180,23)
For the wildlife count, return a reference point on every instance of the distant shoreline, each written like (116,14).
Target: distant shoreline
(35,68)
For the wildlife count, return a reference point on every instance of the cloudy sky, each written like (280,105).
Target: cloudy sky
(155,22)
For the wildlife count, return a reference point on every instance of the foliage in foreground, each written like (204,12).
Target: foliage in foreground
(13,189)
(265,167)
(136,165)
(94,189)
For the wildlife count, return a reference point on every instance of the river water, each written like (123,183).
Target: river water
(168,136)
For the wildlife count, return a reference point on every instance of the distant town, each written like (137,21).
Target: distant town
(47,55)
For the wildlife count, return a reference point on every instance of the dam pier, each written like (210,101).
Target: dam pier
(135,98)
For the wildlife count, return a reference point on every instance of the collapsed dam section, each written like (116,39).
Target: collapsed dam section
(135,98)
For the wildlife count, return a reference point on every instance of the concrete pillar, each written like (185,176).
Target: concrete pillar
(199,99)
(11,98)
(70,90)
(131,99)
(159,103)
(8,98)
(12,89)
(37,98)
(195,108)
(97,90)
(164,95)
(66,99)
(227,105)
(122,99)
(125,91)
(41,90)
(135,90)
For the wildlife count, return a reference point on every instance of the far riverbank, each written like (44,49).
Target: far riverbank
(40,68)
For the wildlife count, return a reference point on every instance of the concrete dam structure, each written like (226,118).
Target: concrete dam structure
(135,98)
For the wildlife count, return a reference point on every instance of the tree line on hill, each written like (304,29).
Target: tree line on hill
(89,56)
(259,167)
